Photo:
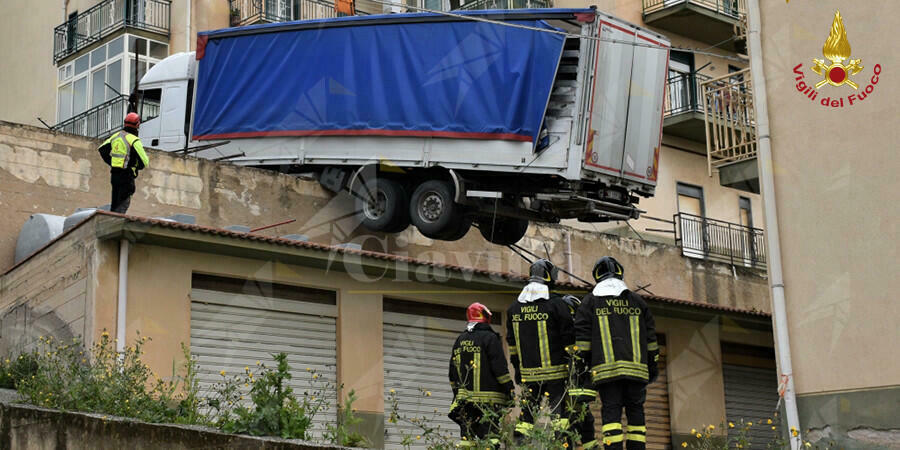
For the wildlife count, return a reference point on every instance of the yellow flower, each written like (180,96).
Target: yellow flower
(730,424)
(222,373)
(712,427)
(699,435)
(428,393)
(308,369)
(749,424)
(607,442)
(684,444)
(546,394)
(769,421)
(418,437)
(565,445)
(807,444)
(773,427)
(575,347)
(246,368)
(693,430)
(794,433)
(392,391)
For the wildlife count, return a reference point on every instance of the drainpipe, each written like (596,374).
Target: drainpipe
(123,293)
(187,27)
(764,153)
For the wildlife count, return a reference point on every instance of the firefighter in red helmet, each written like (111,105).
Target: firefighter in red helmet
(479,376)
(124,153)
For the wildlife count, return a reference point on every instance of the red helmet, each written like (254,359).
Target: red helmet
(476,312)
(132,119)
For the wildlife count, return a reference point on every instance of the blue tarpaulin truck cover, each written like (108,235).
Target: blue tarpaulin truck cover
(455,79)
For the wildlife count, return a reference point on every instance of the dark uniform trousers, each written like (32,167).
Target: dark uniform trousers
(614,396)
(472,422)
(122,188)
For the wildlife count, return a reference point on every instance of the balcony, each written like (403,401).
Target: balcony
(105,119)
(251,12)
(683,116)
(505,4)
(731,130)
(715,22)
(105,18)
(717,240)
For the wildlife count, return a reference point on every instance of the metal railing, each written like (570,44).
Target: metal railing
(732,8)
(99,121)
(249,12)
(106,17)
(506,4)
(683,93)
(730,119)
(717,240)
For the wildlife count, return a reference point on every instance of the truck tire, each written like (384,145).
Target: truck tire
(433,210)
(381,205)
(505,231)
(461,230)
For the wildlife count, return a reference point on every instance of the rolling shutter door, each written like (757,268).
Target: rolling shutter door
(232,331)
(416,357)
(656,409)
(751,393)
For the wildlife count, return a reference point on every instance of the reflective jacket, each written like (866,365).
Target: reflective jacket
(537,333)
(478,369)
(616,335)
(124,153)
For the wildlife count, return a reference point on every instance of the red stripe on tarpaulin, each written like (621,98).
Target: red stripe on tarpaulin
(409,133)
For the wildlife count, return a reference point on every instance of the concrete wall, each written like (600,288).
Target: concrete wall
(836,186)
(27,427)
(28,88)
(52,173)
(50,294)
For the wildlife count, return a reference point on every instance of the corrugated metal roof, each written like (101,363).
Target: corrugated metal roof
(513,277)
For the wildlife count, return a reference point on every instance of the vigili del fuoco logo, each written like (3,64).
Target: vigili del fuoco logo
(834,72)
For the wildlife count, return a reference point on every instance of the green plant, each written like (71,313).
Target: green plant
(344,433)
(99,380)
(273,409)
(708,439)
(15,368)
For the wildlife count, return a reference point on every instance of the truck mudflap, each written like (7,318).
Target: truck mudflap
(624,120)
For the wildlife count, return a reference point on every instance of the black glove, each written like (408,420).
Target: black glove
(654,373)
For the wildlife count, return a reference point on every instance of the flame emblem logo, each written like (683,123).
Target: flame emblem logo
(837,49)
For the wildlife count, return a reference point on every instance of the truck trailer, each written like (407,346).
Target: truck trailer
(493,118)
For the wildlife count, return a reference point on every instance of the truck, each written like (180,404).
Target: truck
(492,118)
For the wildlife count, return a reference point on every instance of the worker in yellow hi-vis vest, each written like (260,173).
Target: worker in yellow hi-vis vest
(125,155)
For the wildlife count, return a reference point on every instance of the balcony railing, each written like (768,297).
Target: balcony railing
(717,240)
(506,4)
(99,121)
(683,93)
(107,17)
(734,8)
(730,119)
(249,12)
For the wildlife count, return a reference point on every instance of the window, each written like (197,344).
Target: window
(82,84)
(150,100)
(692,222)
(680,90)
(746,212)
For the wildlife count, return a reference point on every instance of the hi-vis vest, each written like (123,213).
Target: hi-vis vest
(121,144)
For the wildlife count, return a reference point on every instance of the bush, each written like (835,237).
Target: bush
(16,368)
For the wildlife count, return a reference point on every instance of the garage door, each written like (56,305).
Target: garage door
(416,358)
(751,393)
(656,408)
(231,331)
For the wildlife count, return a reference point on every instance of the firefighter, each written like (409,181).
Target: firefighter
(479,377)
(581,420)
(539,328)
(616,335)
(124,153)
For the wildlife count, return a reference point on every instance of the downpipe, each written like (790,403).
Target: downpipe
(122,299)
(764,153)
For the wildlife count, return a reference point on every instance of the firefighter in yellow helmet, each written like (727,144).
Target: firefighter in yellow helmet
(479,377)
(125,155)
(616,336)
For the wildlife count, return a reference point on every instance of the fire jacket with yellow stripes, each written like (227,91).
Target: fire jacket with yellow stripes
(616,337)
(538,333)
(478,369)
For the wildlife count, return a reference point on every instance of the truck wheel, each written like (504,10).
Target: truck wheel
(461,229)
(433,211)
(505,231)
(381,205)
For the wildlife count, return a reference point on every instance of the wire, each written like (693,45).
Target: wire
(561,33)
